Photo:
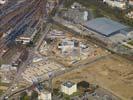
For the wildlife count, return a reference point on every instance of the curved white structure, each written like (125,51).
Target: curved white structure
(3,1)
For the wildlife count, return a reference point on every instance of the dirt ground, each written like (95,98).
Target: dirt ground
(3,88)
(113,73)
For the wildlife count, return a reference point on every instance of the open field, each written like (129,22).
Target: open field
(112,73)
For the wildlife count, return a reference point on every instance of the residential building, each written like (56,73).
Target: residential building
(109,30)
(3,1)
(68,87)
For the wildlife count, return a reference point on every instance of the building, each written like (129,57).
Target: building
(75,15)
(130,15)
(109,29)
(131,2)
(68,87)
(27,36)
(56,34)
(104,26)
(8,73)
(45,95)
(66,46)
(3,1)
(76,6)
(116,3)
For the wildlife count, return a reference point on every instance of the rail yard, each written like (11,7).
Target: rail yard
(53,51)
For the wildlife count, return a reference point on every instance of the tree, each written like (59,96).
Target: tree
(24,96)
(34,95)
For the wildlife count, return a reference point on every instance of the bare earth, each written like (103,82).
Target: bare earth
(112,73)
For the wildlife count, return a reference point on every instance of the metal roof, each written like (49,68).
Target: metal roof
(104,26)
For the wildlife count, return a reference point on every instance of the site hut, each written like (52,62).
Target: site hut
(69,88)
(109,31)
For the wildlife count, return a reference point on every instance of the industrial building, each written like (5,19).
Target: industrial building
(68,87)
(110,29)
(105,26)
(75,14)
(27,37)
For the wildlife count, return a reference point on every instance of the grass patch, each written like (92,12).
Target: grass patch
(1,92)
(126,47)
(4,84)
(130,42)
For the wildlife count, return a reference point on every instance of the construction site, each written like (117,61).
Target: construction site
(112,73)
(47,52)
(88,61)
(69,48)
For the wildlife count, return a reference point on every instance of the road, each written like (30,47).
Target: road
(91,38)
(85,64)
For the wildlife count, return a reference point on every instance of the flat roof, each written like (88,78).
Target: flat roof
(105,26)
(68,84)
(28,32)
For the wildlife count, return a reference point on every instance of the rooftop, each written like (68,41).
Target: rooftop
(105,26)
(28,32)
(68,84)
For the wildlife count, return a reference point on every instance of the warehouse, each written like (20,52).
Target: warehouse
(104,26)
(110,30)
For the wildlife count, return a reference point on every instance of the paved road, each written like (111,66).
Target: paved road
(85,64)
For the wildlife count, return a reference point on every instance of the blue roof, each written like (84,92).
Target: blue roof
(104,26)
